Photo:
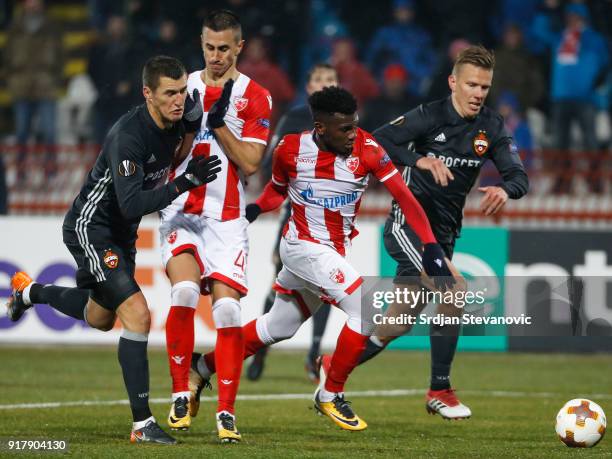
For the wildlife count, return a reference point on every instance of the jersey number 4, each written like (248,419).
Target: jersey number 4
(240,260)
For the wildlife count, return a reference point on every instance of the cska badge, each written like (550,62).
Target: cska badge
(481,143)
(352,163)
(111,259)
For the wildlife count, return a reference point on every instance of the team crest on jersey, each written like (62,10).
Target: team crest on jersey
(127,168)
(240,103)
(111,259)
(337,276)
(352,163)
(171,238)
(480,143)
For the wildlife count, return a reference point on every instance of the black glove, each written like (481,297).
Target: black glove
(193,112)
(219,108)
(252,211)
(200,170)
(435,266)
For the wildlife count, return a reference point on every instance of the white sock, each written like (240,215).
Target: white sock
(326,396)
(376,341)
(177,395)
(141,424)
(203,369)
(25,294)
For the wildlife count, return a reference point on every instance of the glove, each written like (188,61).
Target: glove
(193,112)
(436,268)
(200,170)
(252,211)
(219,108)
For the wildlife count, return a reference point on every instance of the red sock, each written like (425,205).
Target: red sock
(346,356)
(229,354)
(179,345)
(252,344)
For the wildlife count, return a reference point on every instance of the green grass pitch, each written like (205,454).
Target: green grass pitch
(514,399)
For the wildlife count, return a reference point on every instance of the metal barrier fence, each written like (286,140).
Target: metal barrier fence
(573,187)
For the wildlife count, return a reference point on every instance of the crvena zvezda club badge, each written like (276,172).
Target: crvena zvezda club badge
(240,103)
(481,143)
(352,164)
(171,237)
(111,259)
(337,276)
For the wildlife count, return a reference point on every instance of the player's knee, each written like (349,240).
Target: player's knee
(283,319)
(226,313)
(279,329)
(186,294)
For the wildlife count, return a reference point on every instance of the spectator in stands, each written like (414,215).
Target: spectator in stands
(111,69)
(352,74)
(580,59)
(168,43)
(3,189)
(516,70)
(256,63)
(33,66)
(451,19)
(393,101)
(404,42)
(438,88)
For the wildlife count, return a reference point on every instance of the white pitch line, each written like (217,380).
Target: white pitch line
(366,393)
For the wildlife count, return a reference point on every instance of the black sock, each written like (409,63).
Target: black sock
(319,321)
(135,367)
(372,350)
(68,300)
(443,341)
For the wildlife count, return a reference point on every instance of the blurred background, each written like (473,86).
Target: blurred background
(69,69)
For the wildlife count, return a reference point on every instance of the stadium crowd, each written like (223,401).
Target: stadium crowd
(553,69)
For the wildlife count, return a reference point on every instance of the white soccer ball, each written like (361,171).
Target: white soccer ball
(581,423)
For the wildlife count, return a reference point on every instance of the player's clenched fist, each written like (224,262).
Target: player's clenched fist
(219,109)
(200,170)
(252,211)
(435,266)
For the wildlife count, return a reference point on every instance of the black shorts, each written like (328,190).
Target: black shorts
(404,246)
(105,268)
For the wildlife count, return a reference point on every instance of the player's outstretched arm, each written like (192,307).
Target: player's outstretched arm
(127,155)
(272,197)
(246,155)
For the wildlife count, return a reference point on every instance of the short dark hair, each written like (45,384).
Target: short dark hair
(317,66)
(161,66)
(219,20)
(476,55)
(330,100)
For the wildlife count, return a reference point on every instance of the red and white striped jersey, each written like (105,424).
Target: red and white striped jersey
(325,189)
(248,118)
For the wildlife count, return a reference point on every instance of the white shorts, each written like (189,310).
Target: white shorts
(221,248)
(318,268)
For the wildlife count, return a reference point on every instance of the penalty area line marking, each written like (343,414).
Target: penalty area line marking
(257,397)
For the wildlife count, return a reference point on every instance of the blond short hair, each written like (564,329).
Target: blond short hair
(476,55)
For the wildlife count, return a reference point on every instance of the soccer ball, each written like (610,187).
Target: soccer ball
(581,423)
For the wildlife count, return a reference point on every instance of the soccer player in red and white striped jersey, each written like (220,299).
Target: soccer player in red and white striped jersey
(203,233)
(324,173)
